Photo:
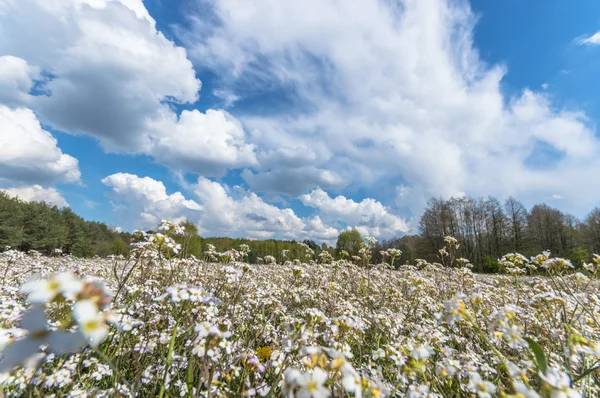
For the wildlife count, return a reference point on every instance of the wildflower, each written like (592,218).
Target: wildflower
(92,322)
(352,382)
(517,372)
(291,378)
(522,391)
(590,267)
(452,242)
(558,384)
(379,353)
(394,252)
(418,391)
(484,389)
(34,321)
(46,290)
(514,336)
(455,309)
(312,385)
(421,353)
(371,241)
(557,264)
(264,353)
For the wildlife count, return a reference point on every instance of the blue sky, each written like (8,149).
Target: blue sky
(265,119)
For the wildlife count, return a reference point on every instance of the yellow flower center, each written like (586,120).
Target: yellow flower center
(53,286)
(312,386)
(92,325)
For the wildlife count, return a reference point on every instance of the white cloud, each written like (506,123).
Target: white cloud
(16,80)
(204,143)
(228,97)
(235,212)
(232,211)
(321,232)
(391,90)
(29,153)
(592,40)
(292,181)
(368,215)
(148,202)
(37,193)
(221,212)
(289,170)
(110,69)
(109,73)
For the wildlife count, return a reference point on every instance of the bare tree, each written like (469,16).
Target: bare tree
(517,223)
(591,230)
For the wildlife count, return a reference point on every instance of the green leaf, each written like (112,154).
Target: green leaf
(540,358)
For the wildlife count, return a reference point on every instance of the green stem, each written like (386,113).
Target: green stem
(168,361)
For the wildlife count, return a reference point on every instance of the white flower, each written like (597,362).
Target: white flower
(352,383)
(312,385)
(454,309)
(513,335)
(559,384)
(421,353)
(91,321)
(524,391)
(378,353)
(34,321)
(45,290)
(484,389)
(418,391)
(290,378)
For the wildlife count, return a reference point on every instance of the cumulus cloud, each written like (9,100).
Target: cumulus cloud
(292,181)
(289,170)
(369,216)
(37,193)
(592,40)
(16,80)
(220,210)
(109,73)
(147,200)
(396,90)
(238,211)
(321,231)
(204,143)
(29,153)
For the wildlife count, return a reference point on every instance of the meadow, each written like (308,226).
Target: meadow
(157,324)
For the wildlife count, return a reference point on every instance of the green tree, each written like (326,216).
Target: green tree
(348,240)
(11,216)
(578,255)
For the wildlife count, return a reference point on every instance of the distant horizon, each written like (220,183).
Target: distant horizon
(330,243)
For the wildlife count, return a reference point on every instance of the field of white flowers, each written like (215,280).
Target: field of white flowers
(158,325)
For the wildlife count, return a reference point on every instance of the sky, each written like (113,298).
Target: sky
(295,120)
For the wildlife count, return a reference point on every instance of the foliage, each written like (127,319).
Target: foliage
(487,229)
(348,241)
(45,228)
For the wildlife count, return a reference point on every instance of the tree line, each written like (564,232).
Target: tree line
(40,226)
(488,228)
(485,227)
(43,227)
(196,245)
